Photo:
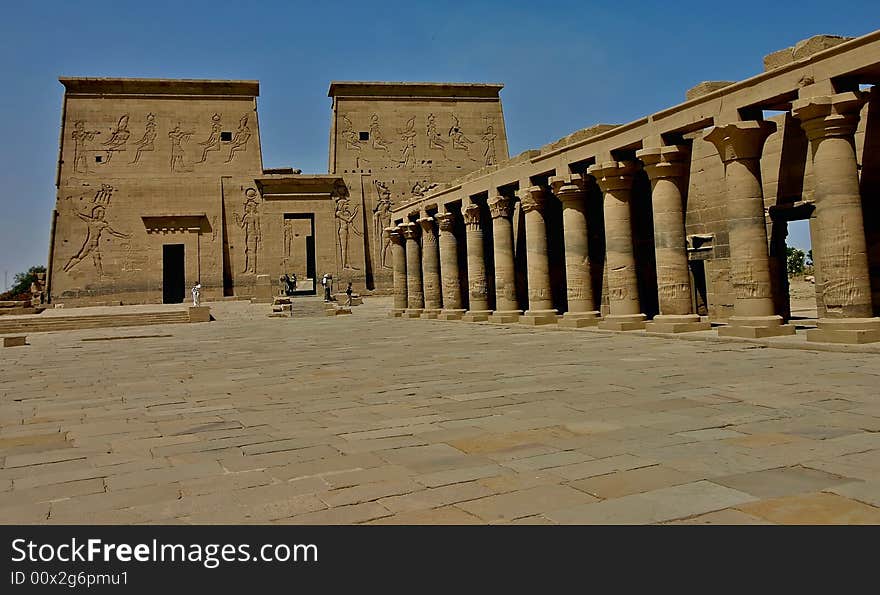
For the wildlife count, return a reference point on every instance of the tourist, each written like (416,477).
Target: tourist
(197,294)
(348,293)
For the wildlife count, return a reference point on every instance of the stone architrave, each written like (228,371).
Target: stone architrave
(615,179)
(739,146)
(830,123)
(506,305)
(398,261)
(570,190)
(541,311)
(415,297)
(666,168)
(478,292)
(430,268)
(451,284)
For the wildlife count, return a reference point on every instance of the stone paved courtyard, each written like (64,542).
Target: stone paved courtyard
(365,419)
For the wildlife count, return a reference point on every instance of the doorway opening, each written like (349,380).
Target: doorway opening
(792,272)
(173,274)
(299,251)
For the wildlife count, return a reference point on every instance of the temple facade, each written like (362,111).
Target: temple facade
(675,220)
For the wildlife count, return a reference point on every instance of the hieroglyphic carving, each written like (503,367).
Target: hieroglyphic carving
(240,138)
(145,144)
(352,141)
(742,279)
(378,142)
(408,136)
(178,153)
(345,226)
(212,144)
(382,220)
(459,140)
(214,228)
(489,152)
(81,136)
(422,187)
(618,277)
(96,225)
(118,138)
(250,223)
(435,140)
(839,288)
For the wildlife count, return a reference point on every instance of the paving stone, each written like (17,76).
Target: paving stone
(524,503)
(634,481)
(784,481)
(340,515)
(368,492)
(437,497)
(814,509)
(728,516)
(602,466)
(447,515)
(863,491)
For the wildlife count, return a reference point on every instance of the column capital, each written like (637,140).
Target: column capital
(446,221)
(501,206)
(614,175)
(394,234)
(664,162)
(472,217)
(532,198)
(829,115)
(427,224)
(740,140)
(410,231)
(568,187)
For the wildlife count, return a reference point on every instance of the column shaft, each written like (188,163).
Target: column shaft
(430,267)
(506,305)
(398,261)
(541,309)
(451,285)
(478,291)
(414,292)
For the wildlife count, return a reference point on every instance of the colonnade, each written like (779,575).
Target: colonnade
(426,276)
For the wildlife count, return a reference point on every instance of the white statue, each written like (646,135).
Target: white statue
(197,294)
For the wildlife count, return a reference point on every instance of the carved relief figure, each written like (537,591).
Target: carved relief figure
(435,141)
(288,241)
(376,134)
(420,188)
(489,152)
(146,142)
(96,225)
(352,141)
(250,223)
(459,140)
(381,220)
(408,136)
(213,142)
(118,137)
(344,228)
(81,136)
(178,154)
(240,138)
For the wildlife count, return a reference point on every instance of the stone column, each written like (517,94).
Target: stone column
(739,146)
(451,292)
(541,309)
(430,268)
(478,291)
(506,306)
(398,261)
(666,168)
(615,179)
(570,190)
(415,298)
(830,123)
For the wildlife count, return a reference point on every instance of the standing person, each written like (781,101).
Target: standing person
(325,281)
(348,293)
(197,294)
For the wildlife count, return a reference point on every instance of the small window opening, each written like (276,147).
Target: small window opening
(226,136)
(364,135)
(99,158)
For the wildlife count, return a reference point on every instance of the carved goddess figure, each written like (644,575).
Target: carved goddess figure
(118,137)
(240,139)
(344,227)
(213,142)
(382,219)
(178,154)
(80,137)
(376,134)
(489,138)
(435,141)
(96,225)
(250,223)
(352,141)
(408,136)
(146,142)
(459,140)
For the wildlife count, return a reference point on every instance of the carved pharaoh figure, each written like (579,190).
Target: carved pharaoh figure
(344,228)
(459,140)
(376,134)
(352,140)
(118,137)
(435,141)
(408,136)
(240,138)
(489,138)
(96,225)
(178,153)
(250,223)
(80,137)
(381,220)
(145,144)
(213,142)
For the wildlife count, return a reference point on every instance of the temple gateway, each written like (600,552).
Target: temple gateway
(669,222)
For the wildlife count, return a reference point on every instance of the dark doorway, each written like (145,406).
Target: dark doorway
(299,251)
(699,297)
(173,274)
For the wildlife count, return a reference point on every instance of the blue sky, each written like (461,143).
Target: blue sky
(566,65)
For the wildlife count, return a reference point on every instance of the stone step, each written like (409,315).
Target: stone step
(61,323)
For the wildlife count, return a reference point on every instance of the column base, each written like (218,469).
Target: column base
(413,312)
(431,313)
(476,315)
(538,317)
(396,312)
(579,319)
(505,316)
(623,322)
(846,330)
(755,327)
(450,314)
(677,323)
